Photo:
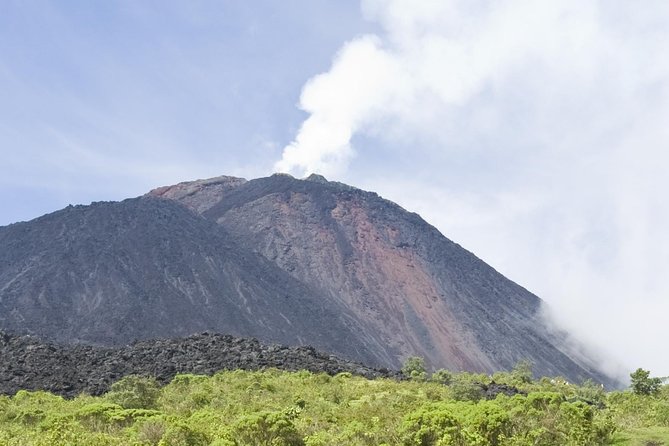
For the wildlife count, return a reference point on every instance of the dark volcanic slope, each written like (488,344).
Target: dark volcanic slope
(414,291)
(69,371)
(291,261)
(111,273)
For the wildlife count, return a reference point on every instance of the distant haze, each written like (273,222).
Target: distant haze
(532,133)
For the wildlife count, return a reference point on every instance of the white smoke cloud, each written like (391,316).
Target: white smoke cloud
(435,55)
(359,87)
(539,130)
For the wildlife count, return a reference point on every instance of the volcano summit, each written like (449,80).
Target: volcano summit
(277,258)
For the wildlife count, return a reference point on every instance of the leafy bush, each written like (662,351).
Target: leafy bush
(465,387)
(442,376)
(266,428)
(432,424)
(135,392)
(643,384)
(414,368)
(179,433)
(151,431)
(522,372)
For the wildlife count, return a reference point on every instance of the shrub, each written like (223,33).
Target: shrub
(643,384)
(590,392)
(464,388)
(414,368)
(486,423)
(522,372)
(180,434)
(135,392)
(151,431)
(442,376)
(431,425)
(266,428)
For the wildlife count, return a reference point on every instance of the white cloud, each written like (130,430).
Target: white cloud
(533,133)
(436,56)
(336,113)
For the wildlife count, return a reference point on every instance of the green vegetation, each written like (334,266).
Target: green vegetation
(414,368)
(275,408)
(643,384)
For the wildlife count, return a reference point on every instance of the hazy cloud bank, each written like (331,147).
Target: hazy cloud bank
(534,133)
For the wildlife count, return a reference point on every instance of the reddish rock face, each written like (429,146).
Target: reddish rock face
(285,260)
(363,264)
(199,195)
(412,290)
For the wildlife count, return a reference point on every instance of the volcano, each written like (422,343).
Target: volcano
(294,261)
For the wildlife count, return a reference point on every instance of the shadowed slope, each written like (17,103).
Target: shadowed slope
(113,272)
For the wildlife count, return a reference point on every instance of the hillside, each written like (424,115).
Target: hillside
(111,273)
(284,260)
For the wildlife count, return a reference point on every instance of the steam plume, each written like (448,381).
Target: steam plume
(567,100)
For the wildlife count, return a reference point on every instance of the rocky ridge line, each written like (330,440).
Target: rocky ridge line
(27,363)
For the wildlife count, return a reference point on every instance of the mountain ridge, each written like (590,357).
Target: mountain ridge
(359,275)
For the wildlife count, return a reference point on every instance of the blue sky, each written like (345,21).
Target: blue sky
(532,133)
(103,100)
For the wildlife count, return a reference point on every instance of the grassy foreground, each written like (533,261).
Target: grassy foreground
(299,408)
